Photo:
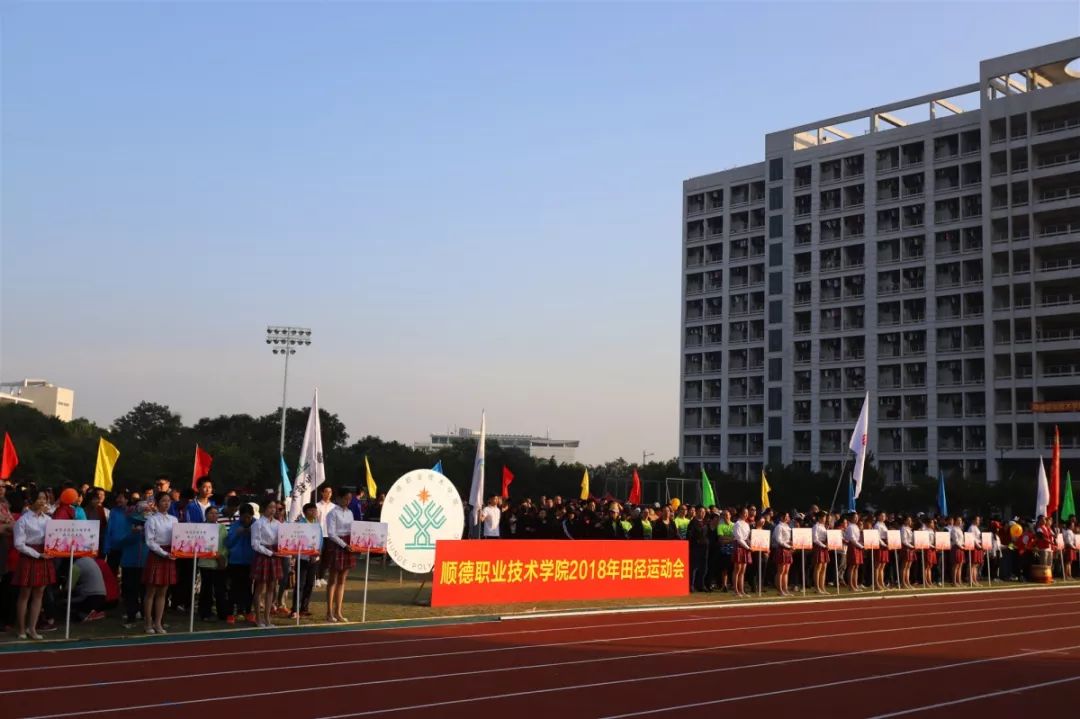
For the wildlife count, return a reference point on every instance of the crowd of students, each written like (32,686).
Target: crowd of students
(247,580)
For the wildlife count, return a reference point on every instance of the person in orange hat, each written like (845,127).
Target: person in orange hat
(65,509)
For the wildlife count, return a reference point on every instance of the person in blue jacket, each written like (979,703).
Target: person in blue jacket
(238,542)
(132,560)
(116,531)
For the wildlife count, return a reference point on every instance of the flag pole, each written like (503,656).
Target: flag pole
(839,479)
(194,571)
(71,574)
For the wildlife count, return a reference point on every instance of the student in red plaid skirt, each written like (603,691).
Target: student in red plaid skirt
(160,571)
(339,560)
(34,572)
(266,569)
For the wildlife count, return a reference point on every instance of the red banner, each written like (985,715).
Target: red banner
(502,571)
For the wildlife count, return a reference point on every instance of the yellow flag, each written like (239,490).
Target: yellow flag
(765,489)
(372,490)
(107,454)
(585,485)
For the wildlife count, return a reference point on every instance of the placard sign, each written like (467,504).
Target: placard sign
(64,535)
(368,537)
(893,537)
(1059,542)
(759,540)
(942,543)
(835,539)
(189,539)
(871,538)
(299,539)
(969,542)
(987,541)
(922,539)
(802,538)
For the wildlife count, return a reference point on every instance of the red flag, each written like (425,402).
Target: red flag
(635,490)
(508,477)
(10,460)
(1055,476)
(202,466)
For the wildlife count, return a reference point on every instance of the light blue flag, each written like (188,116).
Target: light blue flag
(286,485)
(437,467)
(851,495)
(943,506)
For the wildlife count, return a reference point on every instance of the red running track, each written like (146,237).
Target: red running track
(879,658)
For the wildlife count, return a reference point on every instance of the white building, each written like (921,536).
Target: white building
(561,450)
(45,397)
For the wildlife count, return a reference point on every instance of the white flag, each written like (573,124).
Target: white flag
(1042,496)
(476,491)
(857,444)
(311,473)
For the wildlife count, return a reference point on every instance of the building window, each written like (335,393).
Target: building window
(776,255)
(776,226)
(775,427)
(776,457)
(776,198)
(776,401)
(776,369)
(776,311)
(776,340)
(776,169)
(776,283)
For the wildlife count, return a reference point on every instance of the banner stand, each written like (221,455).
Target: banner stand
(989,576)
(971,571)
(296,605)
(71,573)
(896,565)
(836,559)
(1062,555)
(367,566)
(760,573)
(941,567)
(194,571)
(873,574)
(802,554)
(416,597)
(922,565)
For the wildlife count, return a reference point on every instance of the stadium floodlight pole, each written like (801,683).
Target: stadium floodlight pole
(284,341)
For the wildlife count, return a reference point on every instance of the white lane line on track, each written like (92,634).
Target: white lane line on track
(978,697)
(320,688)
(827,685)
(560,645)
(450,637)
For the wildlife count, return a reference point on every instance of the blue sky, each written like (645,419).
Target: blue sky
(473,206)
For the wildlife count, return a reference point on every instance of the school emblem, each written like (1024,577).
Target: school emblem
(421,508)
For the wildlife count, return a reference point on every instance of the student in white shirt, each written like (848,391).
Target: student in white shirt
(339,559)
(160,571)
(741,534)
(977,555)
(907,544)
(266,570)
(1072,543)
(781,541)
(323,507)
(490,516)
(882,555)
(956,542)
(34,572)
(821,552)
(853,541)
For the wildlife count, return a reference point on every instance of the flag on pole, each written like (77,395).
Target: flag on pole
(507,478)
(437,467)
(1042,491)
(708,499)
(203,460)
(765,489)
(857,444)
(585,485)
(851,494)
(10,460)
(107,454)
(1068,508)
(476,491)
(942,502)
(635,489)
(1055,475)
(369,480)
(311,473)
(286,485)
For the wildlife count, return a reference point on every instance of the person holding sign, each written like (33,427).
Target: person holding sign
(306,567)
(339,560)
(956,544)
(741,533)
(821,552)
(907,546)
(212,573)
(266,569)
(977,554)
(781,540)
(34,571)
(160,571)
(853,542)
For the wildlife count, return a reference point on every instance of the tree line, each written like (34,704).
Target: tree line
(154,441)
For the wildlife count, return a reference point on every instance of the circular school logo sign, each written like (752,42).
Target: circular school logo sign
(421,508)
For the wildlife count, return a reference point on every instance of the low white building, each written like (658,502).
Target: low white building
(561,450)
(47,398)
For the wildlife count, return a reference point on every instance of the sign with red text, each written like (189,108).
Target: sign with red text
(835,539)
(368,537)
(871,538)
(62,536)
(969,542)
(987,541)
(191,539)
(759,540)
(923,539)
(892,538)
(506,571)
(802,538)
(299,539)
(942,542)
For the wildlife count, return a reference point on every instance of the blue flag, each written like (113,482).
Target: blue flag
(437,467)
(943,506)
(851,495)
(286,485)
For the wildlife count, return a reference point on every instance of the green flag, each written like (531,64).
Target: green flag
(707,497)
(1068,508)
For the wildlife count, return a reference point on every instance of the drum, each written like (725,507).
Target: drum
(1042,574)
